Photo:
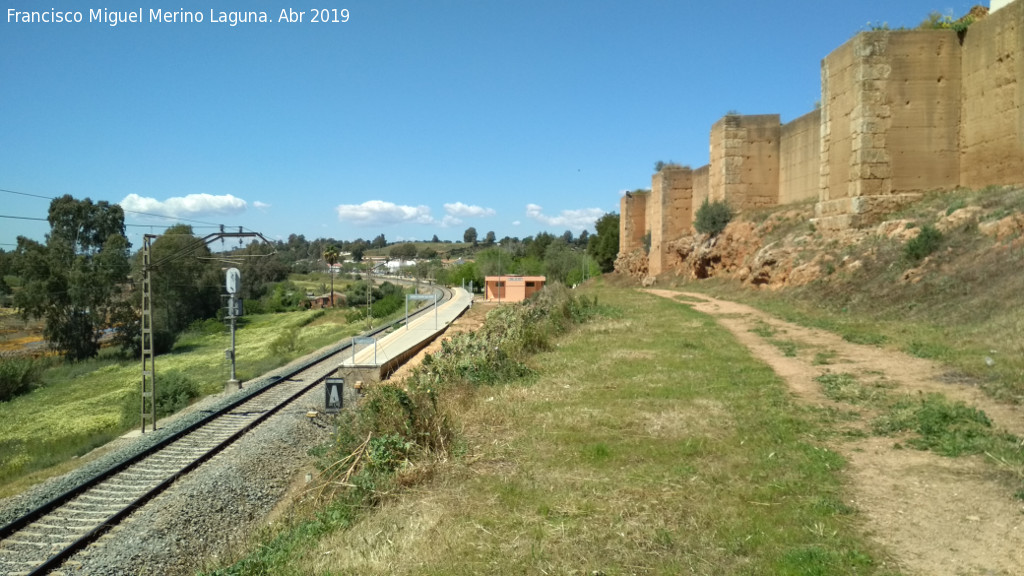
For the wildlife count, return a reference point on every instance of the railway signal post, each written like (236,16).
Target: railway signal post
(234,285)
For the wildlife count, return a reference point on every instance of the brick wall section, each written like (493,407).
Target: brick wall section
(992,115)
(632,221)
(800,159)
(670,213)
(744,154)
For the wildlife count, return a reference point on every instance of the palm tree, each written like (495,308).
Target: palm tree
(332,257)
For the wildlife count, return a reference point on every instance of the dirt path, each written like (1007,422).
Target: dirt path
(936,515)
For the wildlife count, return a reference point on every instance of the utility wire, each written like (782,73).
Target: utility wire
(12,217)
(125,211)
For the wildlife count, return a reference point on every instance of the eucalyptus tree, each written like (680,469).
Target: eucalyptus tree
(77,280)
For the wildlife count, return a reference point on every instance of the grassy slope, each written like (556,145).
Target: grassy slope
(649,443)
(81,406)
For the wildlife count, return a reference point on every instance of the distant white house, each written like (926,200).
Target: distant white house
(395,265)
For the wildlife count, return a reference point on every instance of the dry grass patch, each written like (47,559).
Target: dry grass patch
(705,417)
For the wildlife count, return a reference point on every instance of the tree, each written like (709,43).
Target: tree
(332,257)
(462,274)
(260,270)
(583,239)
(469,236)
(435,239)
(428,253)
(358,250)
(567,236)
(491,262)
(559,260)
(604,244)
(75,280)
(489,239)
(538,245)
(379,242)
(5,269)
(186,285)
(406,251)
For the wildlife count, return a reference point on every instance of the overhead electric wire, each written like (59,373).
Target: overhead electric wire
(13,217)
(122,208)
(200,242)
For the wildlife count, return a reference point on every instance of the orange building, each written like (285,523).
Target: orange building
(511,288)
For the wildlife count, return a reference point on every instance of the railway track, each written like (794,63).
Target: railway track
(43,538)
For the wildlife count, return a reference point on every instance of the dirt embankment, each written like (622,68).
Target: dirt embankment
(785,249)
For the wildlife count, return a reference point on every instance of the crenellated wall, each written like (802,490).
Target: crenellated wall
(902,113)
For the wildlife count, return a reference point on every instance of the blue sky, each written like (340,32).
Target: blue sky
(413,118)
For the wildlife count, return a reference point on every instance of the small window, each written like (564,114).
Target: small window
(529,284)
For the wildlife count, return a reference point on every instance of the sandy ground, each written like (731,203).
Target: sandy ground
(935,515)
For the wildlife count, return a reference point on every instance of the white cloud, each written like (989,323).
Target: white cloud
(449,221)
(380,213)
(460,210)
(575,220)
(516,223)
(261,205)
(187,206)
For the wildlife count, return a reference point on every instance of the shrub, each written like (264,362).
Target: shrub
(17,375)
(712,217)
(208,327)
(174,391)
(286,341)
(926,242)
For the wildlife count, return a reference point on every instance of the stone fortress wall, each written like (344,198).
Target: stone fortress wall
(902,112)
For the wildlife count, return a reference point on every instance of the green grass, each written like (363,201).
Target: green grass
(648,441)
(824,357)
(948,428)
(844,387)
(81,406)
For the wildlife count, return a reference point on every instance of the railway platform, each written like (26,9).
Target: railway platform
(375,358)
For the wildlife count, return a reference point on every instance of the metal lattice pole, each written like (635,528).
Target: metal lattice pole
(148,400)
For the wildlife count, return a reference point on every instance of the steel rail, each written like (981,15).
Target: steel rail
(53,504)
